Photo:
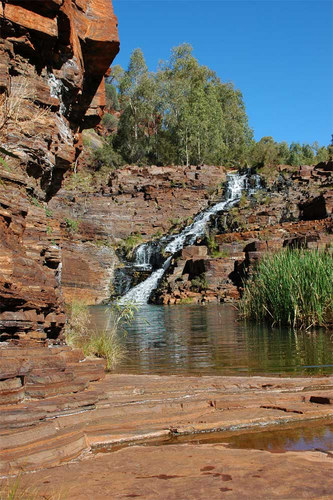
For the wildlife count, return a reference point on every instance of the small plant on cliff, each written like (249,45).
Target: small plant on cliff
(103,343)
(243,202)
(36,202)
(127,245)
(15,106)
(48,212)
(199,283)
(211,243)
(72,225)
(292,287)
(4,164)
(17,488)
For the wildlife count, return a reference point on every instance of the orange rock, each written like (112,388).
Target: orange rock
(57,53)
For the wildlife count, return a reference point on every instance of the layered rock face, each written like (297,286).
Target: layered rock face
(294,209)
(142,201)
(53,56)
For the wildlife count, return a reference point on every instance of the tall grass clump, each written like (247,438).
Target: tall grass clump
(291,287)
(17,489)
(102,343)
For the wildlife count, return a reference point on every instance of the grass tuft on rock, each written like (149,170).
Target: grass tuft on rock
(291,287)
(104,343)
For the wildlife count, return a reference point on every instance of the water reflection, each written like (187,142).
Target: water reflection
(311,437)
(193,339)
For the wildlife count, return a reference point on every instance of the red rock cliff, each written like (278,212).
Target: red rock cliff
(53,56)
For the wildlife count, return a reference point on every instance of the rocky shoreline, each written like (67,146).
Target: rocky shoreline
(127,410)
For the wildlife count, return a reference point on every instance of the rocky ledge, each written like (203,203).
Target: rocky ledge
(123,410)
(191,471)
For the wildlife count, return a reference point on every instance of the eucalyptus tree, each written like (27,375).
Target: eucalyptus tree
(182,114)
(206,119)
(137,124)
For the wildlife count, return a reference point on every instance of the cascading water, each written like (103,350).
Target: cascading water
(149,252)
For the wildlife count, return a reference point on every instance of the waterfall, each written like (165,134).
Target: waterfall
(146,253)
(140,293)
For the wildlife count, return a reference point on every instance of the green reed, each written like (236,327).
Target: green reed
(291,287)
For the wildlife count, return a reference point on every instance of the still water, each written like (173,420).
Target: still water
(295,438)
(211,340)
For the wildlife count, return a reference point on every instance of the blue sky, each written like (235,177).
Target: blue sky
(278,53)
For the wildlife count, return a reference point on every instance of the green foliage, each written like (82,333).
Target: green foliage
(111,95)
(182,114)
(17,489)
(292,287)
(186,300)
(137,124)
(79,181)
(109,121)
(200,112)
(243,201)
(72,225)
(127,245)
(268,153)
(157,235)
(48,212)
(102,243)
(199,283)
(213,247)
(261,198)
(4,164)
(35,202)
(78,324)
(100,343)
(106,156)
(211,243)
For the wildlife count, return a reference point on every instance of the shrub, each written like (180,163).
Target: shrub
(100,343)
(72,225)
(211,243)
(48,212)
(109,121)
(79,181)
(199,283)
(127,245)
(106,156)
(15,489)
(291,287)
(243,201)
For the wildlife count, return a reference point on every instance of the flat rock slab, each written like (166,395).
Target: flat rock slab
(188,471)
(131,409)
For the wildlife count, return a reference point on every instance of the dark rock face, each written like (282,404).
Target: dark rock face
(319,207)
(30,266)
(53,56)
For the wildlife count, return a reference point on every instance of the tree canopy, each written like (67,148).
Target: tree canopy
(184,114)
